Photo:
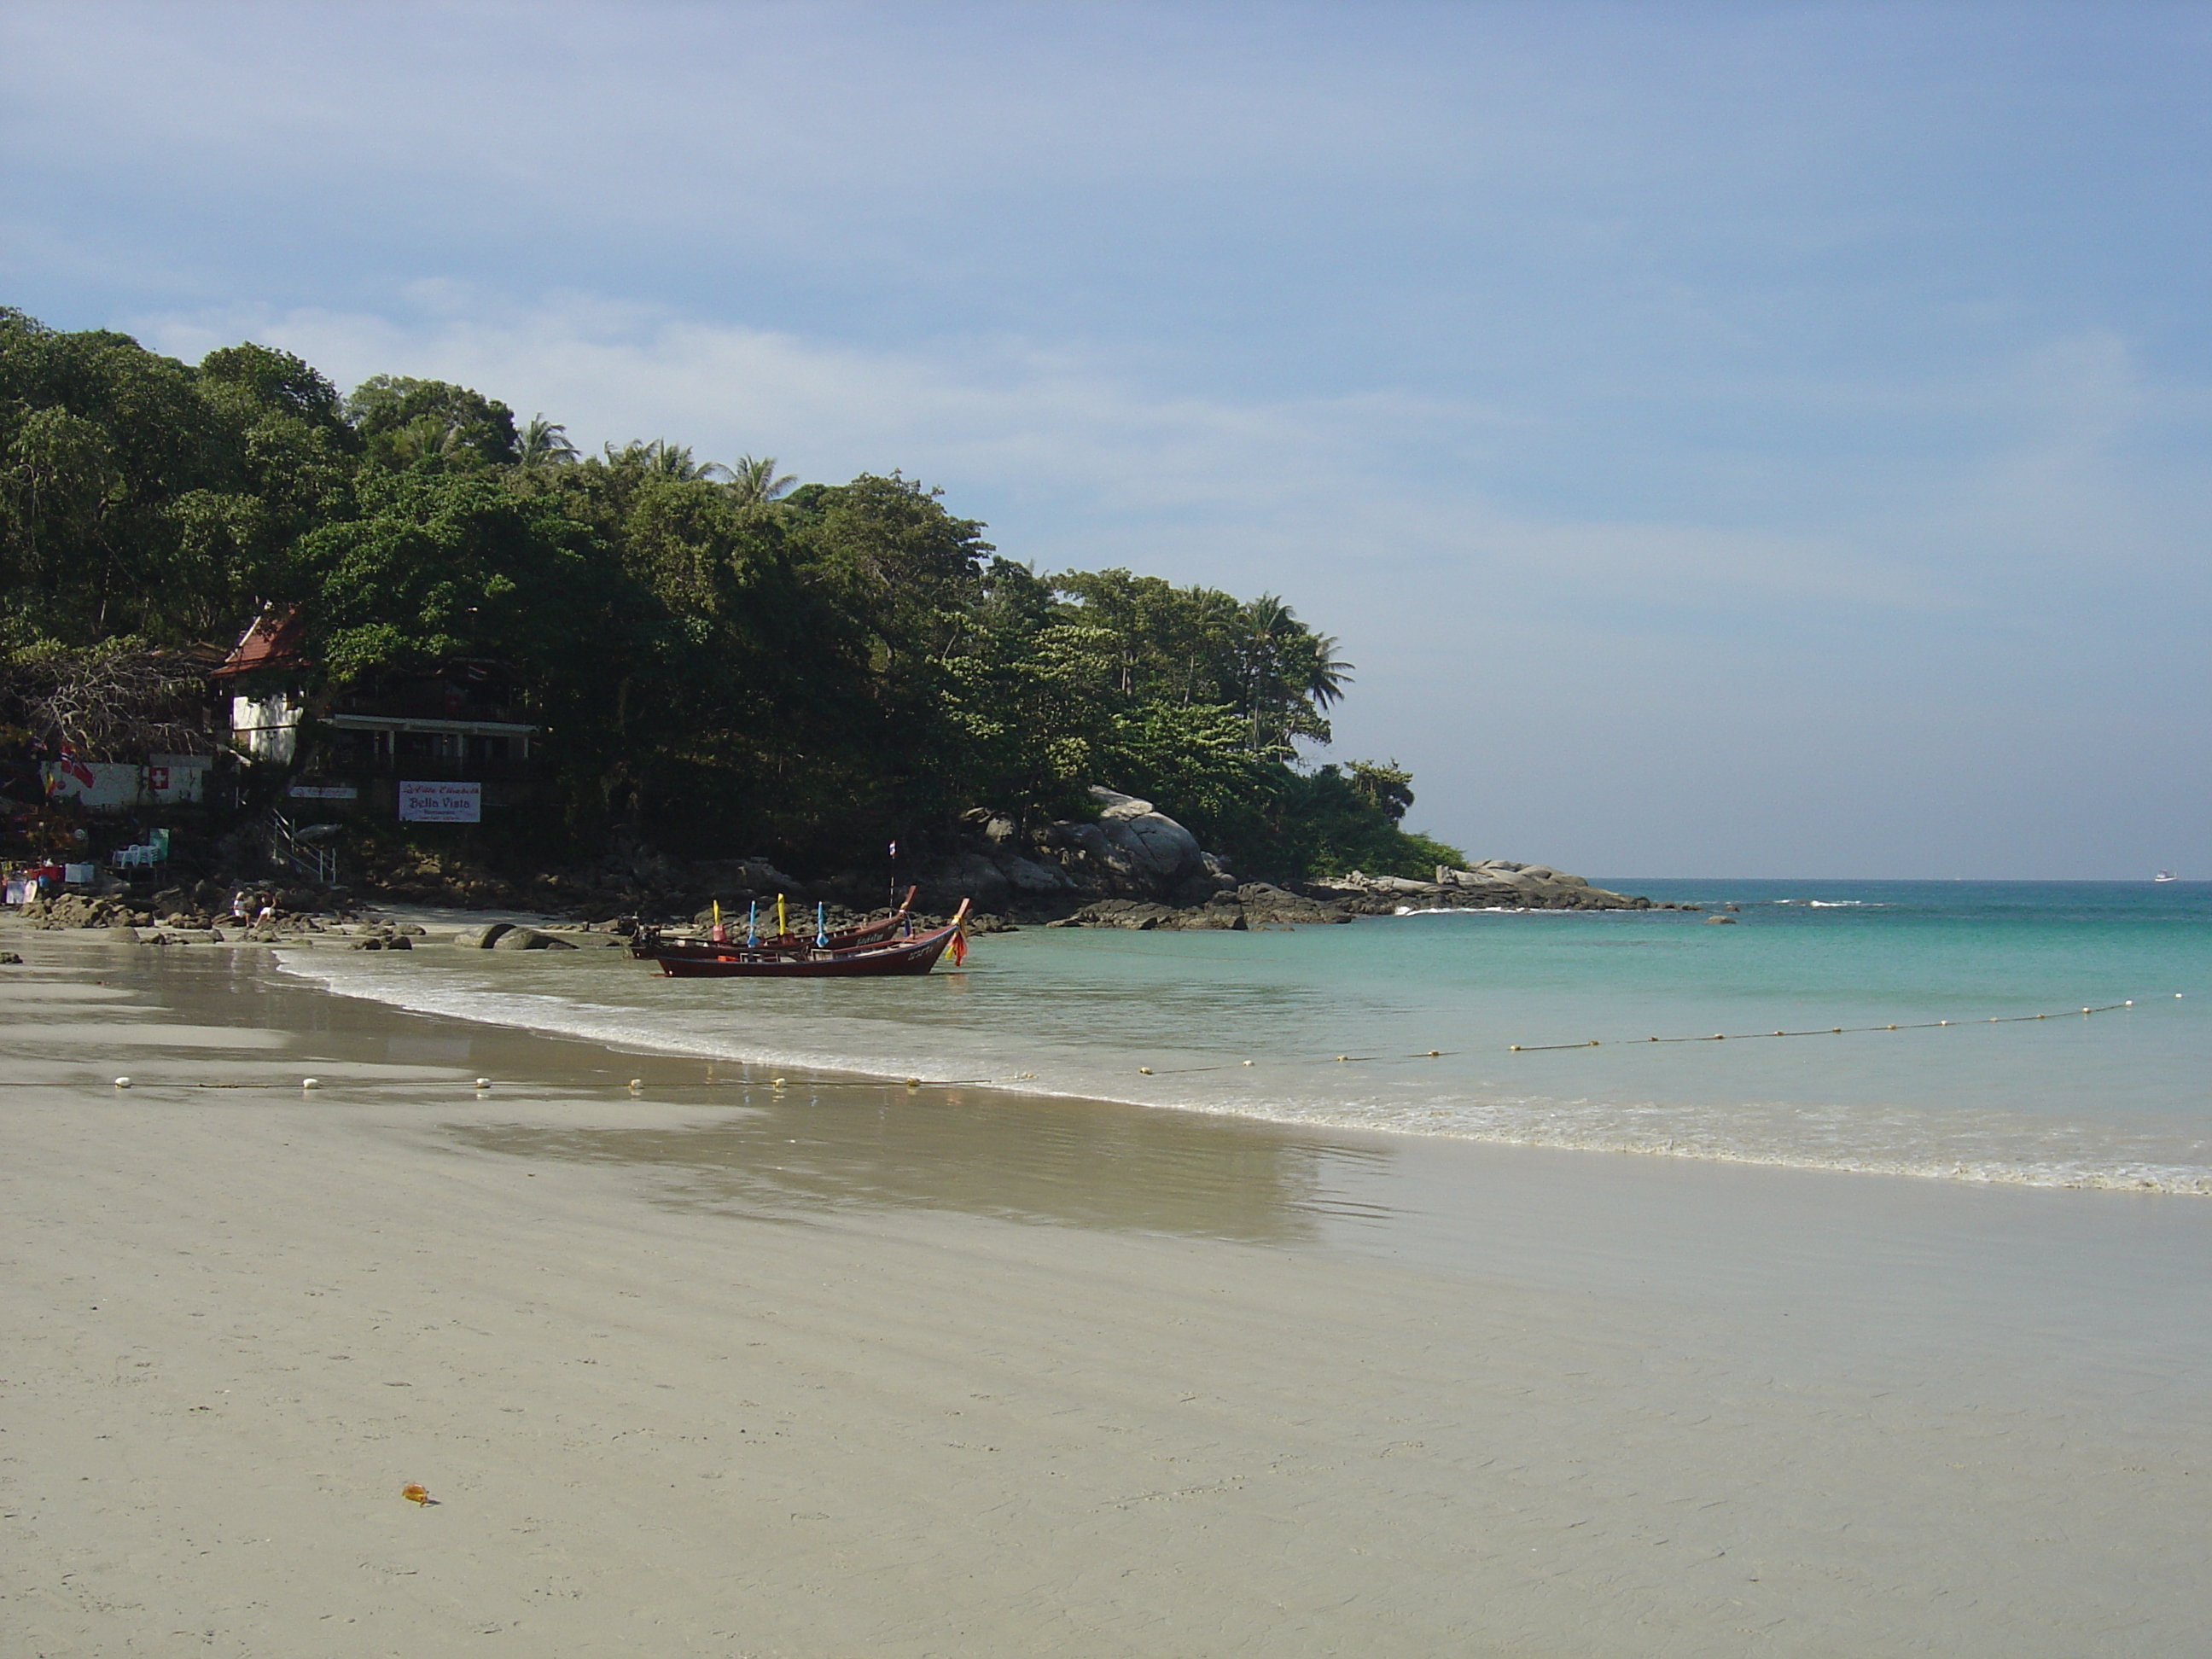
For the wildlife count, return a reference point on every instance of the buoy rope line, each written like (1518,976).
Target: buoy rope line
(778,1084)
(1830,1030)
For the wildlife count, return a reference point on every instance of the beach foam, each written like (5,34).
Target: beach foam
(2115,1101)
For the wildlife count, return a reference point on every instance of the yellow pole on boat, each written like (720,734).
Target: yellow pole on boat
(718,913)
(779,928)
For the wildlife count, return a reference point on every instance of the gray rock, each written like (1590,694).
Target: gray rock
(529,938)
(1158,846)
(1138,915)
(975,877)
(1114,806)
(485,937)
(1268,906)
(1028,876)
(1159,851)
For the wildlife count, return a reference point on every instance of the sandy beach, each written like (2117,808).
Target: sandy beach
(839,1368)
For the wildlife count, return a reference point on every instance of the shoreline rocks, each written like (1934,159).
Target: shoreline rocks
(1491,885)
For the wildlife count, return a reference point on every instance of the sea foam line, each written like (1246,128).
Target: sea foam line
(1704,1133)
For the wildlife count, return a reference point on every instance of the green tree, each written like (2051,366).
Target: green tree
(408,422)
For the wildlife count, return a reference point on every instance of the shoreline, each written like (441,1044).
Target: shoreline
(833,1370)
(1560,1133)
(1667,1133)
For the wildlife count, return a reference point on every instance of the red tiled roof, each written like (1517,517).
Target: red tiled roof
(273,641)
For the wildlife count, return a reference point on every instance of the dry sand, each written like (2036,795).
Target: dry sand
(845,1369)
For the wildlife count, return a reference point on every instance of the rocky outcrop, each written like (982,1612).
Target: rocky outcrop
(1491,885)
(1234,909)
(1133,852)
(183,915)
(1275,907)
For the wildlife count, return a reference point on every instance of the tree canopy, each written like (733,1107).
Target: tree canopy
(735,662)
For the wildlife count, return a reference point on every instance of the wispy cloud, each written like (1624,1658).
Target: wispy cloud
(1079,463)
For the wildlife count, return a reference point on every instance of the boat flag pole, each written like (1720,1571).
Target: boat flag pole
(821,928)
(780,927)
(752,922)
(894,892)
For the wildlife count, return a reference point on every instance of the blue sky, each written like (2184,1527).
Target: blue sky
(1755,439)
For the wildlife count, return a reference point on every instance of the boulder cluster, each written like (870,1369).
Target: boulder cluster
(1138,868)
(1133,852)
(204,912)
(507,936)
(1491,885)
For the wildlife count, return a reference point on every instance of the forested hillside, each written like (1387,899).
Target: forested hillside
(722,662)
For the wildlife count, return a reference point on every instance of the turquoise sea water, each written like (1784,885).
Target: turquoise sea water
(1254,1024)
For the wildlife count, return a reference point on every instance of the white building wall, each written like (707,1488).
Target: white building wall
(267,728)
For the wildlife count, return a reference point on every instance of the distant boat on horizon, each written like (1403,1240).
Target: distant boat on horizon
(2166,875)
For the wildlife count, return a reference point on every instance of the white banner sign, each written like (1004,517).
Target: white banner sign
(441,803)
(327,791)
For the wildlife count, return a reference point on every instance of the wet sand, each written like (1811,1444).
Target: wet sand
(840,1368)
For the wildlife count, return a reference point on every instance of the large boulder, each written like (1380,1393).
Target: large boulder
(1028,877)
(529,938)
(971,875)
(1160,849)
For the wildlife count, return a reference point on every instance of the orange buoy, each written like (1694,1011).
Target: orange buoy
(414,1494)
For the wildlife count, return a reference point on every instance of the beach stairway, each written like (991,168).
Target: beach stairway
(289,849)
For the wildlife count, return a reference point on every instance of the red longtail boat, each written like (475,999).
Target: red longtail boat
(649,944)
(917,954)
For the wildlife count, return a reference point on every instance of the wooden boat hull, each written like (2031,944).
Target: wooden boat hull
(907,956)
(648,946)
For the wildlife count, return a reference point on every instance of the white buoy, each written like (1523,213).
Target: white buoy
(311,1083)
(483,1083)
(635,1084)
(122,1083)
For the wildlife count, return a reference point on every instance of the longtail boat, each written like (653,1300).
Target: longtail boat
(649,944)
(916,955)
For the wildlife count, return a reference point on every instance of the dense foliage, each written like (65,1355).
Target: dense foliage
(730,662)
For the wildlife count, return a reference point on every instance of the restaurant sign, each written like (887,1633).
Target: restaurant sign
(441,803)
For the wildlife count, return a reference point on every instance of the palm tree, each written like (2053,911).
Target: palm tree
(1322,674)
(756,483)
(544,443)
(663,459)
(427,437)
(1263,624)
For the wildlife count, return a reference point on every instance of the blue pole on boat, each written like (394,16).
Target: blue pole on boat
(821,931)
(752,922)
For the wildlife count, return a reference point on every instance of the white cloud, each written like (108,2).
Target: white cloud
(1082,464)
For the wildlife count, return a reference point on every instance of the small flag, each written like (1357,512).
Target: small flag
(894,849)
